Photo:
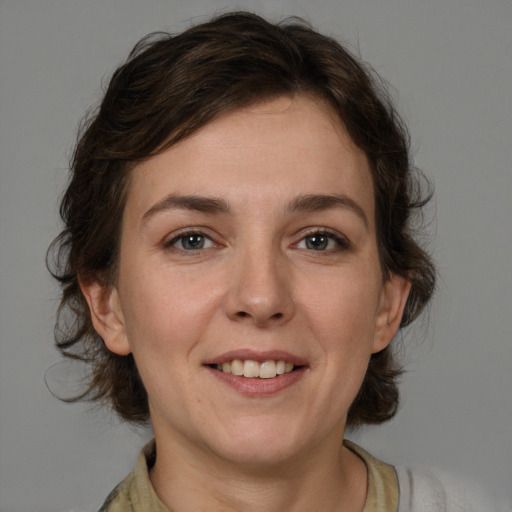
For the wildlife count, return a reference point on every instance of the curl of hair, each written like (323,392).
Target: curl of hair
(170,87)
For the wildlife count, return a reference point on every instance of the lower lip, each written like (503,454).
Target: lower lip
(259,387)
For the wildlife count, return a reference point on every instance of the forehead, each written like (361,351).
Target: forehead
(281,147)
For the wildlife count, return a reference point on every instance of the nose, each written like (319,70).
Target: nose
(260,290)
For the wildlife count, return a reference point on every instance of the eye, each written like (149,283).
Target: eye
(191,242)
(323,241)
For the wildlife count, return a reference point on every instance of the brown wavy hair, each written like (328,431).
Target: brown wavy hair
(171,86)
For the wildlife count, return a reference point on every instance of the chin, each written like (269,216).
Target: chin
(259,457)
(261,446)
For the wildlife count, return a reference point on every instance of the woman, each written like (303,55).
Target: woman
(238,256)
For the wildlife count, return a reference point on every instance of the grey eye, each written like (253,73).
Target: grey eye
(193,242)
(318,242)
(323,241)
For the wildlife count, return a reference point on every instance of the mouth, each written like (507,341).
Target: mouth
(252,369)
(258,373)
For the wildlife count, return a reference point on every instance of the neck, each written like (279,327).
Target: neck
(328,478)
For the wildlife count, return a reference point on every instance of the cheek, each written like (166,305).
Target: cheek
(165,321)
(342,312)
(341,317)
(166,312)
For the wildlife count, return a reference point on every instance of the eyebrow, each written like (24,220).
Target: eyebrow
(306,203)
(201,204)
(310,203)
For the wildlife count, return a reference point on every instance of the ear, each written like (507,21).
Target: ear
(393,299)
(106,315)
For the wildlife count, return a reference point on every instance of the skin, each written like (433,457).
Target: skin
(257,284)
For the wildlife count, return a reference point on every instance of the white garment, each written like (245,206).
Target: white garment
(424,491)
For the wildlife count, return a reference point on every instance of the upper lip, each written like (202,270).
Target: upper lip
(260,357)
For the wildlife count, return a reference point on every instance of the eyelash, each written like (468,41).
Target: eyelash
(170,244)
(342,243)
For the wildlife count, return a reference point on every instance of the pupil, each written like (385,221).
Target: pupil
(193,242)
(317,243)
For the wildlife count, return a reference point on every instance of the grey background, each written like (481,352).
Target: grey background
(451,63)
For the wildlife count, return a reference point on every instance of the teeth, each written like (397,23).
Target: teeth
(267,370)
(252,369)
(237,367)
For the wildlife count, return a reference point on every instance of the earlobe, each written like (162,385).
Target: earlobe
(394,297)
(106,315)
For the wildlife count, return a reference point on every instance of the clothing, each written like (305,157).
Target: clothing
(390,489)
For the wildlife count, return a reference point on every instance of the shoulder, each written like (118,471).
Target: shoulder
(423,490)
(135,493)
(382,491)
(119,499)
(406,489)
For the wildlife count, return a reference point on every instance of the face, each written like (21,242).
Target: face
(249,290)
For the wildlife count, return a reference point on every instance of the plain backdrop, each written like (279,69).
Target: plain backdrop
(450,63)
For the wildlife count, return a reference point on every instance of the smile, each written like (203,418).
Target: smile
(253,369)
(257,373)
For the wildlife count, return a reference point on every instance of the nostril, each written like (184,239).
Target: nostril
(244,314)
